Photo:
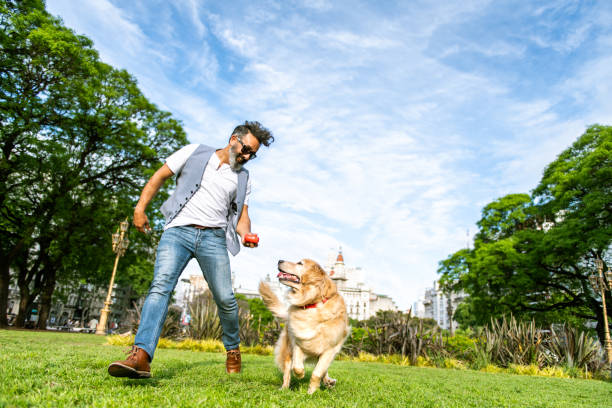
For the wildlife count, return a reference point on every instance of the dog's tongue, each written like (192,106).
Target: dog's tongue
(279,275)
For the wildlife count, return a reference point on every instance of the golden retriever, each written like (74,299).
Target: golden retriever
(316,322)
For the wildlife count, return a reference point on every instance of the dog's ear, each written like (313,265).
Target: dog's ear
(305,295)
(329,288)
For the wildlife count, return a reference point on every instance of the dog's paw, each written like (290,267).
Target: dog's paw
(315,383)
(329,382)
(299,373)
(312,389)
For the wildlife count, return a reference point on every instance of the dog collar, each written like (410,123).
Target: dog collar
(310,306)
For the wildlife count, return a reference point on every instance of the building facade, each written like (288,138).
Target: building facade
(361,301)
(438,305)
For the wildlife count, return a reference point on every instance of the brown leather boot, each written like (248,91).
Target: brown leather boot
(233,362)
(135,366)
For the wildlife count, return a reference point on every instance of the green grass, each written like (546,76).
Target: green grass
(61,369)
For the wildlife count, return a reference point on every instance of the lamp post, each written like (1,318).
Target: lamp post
(599,284)
(120,244)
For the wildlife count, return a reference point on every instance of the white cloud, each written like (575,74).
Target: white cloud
(381,147)
(229,33)
(116,36)
(347,39)
(192,9)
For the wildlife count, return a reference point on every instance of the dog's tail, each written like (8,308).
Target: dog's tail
(272,302)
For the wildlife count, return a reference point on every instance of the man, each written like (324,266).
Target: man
(204,217)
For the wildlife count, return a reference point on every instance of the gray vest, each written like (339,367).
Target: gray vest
(188,181)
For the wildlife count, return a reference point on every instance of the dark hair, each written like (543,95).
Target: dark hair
(262,134)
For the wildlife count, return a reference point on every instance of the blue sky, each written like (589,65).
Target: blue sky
(395,122)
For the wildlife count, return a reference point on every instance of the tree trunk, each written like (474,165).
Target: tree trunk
(24,306)
(5,280)
(45,301)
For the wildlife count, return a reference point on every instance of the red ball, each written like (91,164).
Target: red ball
(252,238)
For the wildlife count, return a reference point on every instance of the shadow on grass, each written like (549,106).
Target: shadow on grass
(145,382)
(166,373)
(297,384)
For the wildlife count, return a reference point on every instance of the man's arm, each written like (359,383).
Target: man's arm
(244,226)
(141,222)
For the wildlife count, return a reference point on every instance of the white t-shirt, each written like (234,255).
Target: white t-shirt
(210,203)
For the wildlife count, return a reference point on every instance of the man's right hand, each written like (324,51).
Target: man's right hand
(141,222)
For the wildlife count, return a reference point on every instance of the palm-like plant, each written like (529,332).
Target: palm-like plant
(506,342)
(205,322)
(396,333)
(172,325)
(571,347)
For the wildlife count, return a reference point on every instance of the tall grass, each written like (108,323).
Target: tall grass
(571,347)
(205,322)
(506,342)
(396,333)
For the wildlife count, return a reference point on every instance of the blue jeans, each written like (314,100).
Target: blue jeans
(177,246)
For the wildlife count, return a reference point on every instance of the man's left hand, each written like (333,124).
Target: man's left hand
(250,240)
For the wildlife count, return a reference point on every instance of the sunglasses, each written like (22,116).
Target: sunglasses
(246,150)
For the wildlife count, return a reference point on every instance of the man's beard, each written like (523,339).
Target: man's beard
(233,160)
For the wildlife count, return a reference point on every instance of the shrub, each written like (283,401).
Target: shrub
(423,362)
(358,340)
(165,343)
(454,363)
(558,372)
(530,369)
(204,322)
(206,345)
(571,347)
(461,346)
(249,333)
(363,356)
(172,325)
(259,350)
(506,342)
(491,368)
(395,333)
(120,340)
(270,333)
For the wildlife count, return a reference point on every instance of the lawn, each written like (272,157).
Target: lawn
(63,369)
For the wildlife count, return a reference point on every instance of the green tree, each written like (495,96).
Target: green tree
(37,54)
(533,254)
(77,168)
(575,194)
(261,315)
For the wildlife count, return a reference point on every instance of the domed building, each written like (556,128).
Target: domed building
(361,301)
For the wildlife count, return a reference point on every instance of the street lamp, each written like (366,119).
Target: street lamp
(599,284)
(120,244)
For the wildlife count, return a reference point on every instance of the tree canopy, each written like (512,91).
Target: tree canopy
(79,140)
(533,254)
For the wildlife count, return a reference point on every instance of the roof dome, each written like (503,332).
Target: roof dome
(340,258)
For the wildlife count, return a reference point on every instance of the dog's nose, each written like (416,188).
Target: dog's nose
(280,261)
